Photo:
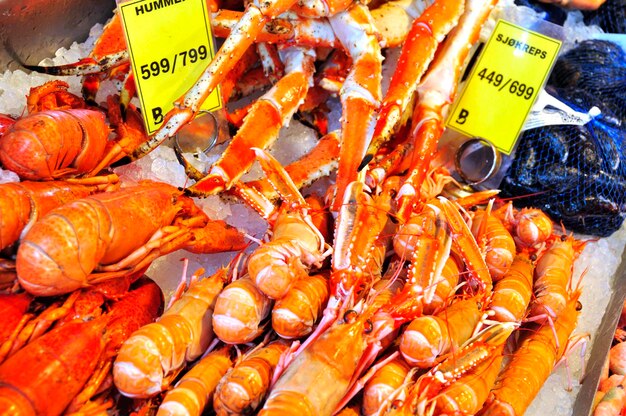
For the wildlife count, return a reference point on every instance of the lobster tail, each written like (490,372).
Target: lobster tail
(40,259)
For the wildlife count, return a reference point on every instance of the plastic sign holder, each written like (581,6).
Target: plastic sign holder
(170,44)
(503,85)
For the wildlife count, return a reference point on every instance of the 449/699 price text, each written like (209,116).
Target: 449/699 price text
(502,82)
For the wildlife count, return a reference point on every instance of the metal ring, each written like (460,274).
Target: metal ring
(460,154)
(213,138)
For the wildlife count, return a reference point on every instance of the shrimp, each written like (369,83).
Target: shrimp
(552,275)
(512,293)
(612,402)
(152,356)
(440,287)
(519,382)
(427,337)
(617,359)
(444,286)
(428,226)
(384,386)
(320,376)
(467,395)
(362,237)
(239,311)
(431,251)
(294,315)
(333,359)
(460,383)
(530,227)
(276,265)
(296,244)
(243,388)
(381,293)
(533,227)
(195,389)
(341,353)
(442,227)
(478,276)
(495,241)
(424,237)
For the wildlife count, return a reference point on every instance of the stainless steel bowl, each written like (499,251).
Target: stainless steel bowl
(31,30)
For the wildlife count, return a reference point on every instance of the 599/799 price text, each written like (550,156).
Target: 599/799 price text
(501,82)
(168,65)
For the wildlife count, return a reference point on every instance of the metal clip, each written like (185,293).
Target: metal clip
(193,137)
(477,160)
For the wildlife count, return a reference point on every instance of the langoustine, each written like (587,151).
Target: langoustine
(460,383)
(532,362)
(553,274)
(239,312)
(153,355)
(243,389)
(296,244)
(195,389)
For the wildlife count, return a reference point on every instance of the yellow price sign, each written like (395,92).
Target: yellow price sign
(504,84)
(170,43)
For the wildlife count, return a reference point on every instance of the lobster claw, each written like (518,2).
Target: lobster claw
(464,242)
(484,349)
(477,348)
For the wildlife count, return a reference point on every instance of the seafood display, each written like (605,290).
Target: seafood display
(376,283)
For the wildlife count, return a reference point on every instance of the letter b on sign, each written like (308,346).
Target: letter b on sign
(462,117)
(157,115)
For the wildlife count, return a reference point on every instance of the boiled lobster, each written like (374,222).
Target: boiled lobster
(23,203)
(114,234)
(68,140)
(45,376)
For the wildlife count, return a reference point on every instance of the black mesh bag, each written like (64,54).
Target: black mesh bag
(598,67)
(611,16)
(577,174)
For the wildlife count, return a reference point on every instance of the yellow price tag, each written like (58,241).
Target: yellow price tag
(170,43)
(504,84)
